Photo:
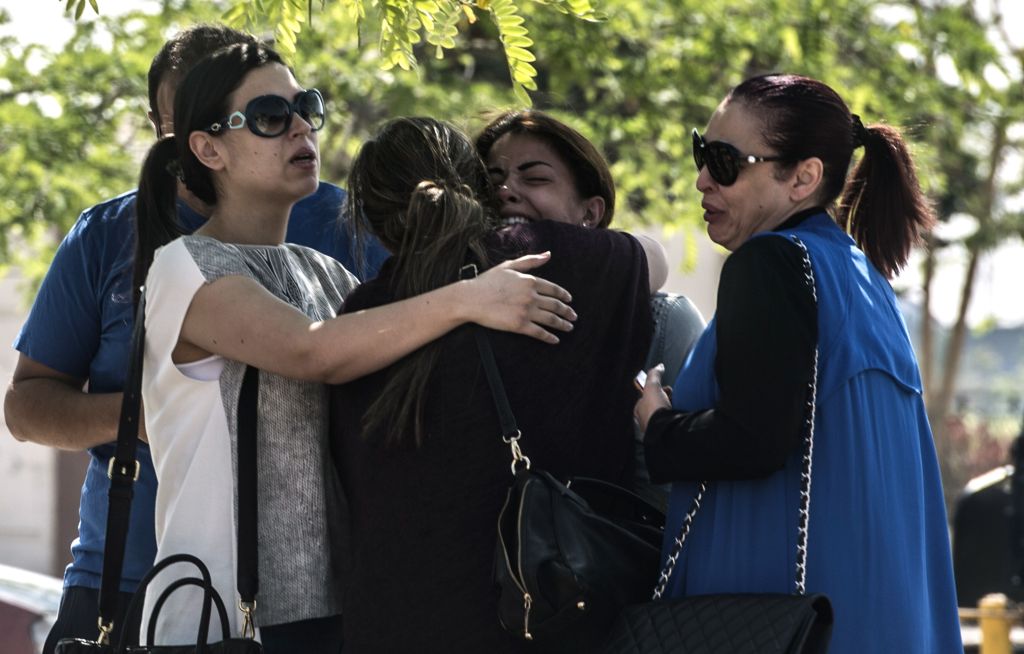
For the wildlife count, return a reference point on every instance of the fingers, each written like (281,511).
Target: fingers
(541,286)
(510,300)
(544,287)
(551,319)
(546,314)
(534,330)
(654,397)
(527,262)
(557,308)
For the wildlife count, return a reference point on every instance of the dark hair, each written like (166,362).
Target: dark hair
(880,204)
(418,187)
(590,172)
(202,99)
(183,51)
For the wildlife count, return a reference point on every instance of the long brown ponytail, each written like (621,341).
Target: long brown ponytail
(417,186)
(882,206)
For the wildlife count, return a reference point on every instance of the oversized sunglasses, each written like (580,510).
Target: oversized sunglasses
(723,160)
(271,115)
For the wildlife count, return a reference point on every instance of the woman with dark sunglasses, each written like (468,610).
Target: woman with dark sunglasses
(231,295)
(772,168)
(543,169)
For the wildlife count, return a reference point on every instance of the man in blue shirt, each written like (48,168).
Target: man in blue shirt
(77,337)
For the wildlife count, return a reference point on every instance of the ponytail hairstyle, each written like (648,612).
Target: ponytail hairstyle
(202,99)
(417,186)
(880,204)
(590,172)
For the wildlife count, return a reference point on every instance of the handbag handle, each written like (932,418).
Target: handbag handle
(204,620)
(799,587)
(123,471)
(135,606)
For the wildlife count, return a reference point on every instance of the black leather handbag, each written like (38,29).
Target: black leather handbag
(569,556)
(735,623)
(123,471)
(226,645)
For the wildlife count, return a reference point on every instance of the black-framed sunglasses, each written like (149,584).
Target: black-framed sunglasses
(271,115)
(724,162)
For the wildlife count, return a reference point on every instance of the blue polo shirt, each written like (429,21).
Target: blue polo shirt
(81,324)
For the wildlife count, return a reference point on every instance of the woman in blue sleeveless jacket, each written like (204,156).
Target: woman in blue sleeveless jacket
(772,165)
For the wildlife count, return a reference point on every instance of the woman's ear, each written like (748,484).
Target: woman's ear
(593,211)
(806,179)
(207,149)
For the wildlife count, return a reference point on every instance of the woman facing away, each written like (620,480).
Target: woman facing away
(772,163)
(543,169)
(418,445)
(232,295)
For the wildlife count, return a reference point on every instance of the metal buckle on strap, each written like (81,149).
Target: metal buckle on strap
(518,458)
(248,610)
(123,470)
(105,629)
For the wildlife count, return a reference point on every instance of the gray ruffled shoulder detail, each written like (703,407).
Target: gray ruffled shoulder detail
(304,278)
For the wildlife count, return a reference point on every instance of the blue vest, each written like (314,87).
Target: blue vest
(878,541)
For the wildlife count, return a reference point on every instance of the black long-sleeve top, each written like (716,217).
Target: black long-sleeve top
(767,331)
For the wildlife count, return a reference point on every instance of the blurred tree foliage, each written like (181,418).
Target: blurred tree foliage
(74,126)
(635,76)
(398,26)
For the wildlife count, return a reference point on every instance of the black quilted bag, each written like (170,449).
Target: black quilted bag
(735,623)
(715,624)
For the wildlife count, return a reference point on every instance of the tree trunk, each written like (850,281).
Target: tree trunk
(941,405)
(939,409)
(927,358)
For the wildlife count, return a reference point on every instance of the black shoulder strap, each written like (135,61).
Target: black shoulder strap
(123,470)
(509,429)
(248,515)
(510,433)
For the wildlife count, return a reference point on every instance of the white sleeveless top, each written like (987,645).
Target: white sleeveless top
(191,422)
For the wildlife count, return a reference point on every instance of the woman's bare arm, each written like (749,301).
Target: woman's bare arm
(237,318)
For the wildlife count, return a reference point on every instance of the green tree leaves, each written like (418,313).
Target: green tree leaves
(78,7)
(634,75)
(516,40)
(402,25)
